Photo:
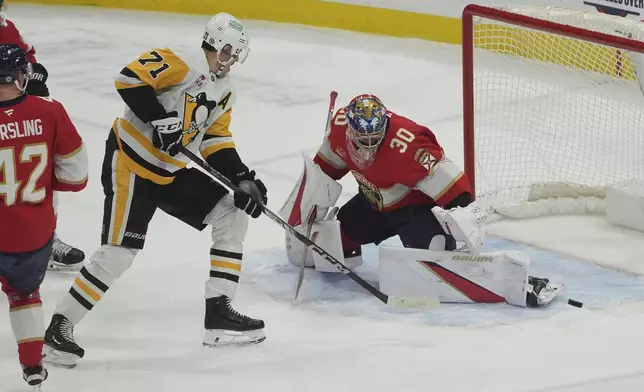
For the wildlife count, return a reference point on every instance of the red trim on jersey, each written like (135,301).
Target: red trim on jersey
(328,169)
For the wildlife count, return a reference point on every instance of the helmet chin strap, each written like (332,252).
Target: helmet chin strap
(24,84)
(220,72)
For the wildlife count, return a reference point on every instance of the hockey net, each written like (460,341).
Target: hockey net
(553,111)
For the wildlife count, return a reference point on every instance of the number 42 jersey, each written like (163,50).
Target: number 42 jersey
(160,82)
(40,152)
(410,166)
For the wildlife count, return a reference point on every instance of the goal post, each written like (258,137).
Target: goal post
(553,111)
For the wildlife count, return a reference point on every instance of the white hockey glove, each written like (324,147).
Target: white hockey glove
(170,132)
(464,224)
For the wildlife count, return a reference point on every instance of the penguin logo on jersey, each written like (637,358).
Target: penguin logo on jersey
(196,111)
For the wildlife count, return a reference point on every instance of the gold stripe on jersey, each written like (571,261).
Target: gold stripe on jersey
(120,85)
(217,136)
(142,172)
(138,147)
(158,68)
(221,127)
(214,145)
(145,143)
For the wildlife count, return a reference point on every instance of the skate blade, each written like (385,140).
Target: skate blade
(59,358)
(220,337)
(59,267)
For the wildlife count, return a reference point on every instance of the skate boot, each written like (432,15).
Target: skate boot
(35,376)
(225,326)
(65,257)
(60,349)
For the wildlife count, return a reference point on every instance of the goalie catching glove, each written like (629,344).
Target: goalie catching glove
(464,224)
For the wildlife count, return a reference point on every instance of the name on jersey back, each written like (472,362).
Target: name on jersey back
(16,130)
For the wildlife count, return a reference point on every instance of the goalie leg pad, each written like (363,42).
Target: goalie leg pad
(326,234)
(313,194)
(454,277)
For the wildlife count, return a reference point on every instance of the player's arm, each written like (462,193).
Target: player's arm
(70,155)
(138,84)
(139,81)
(428,169)
(218,149)
(434,174)
(331,163)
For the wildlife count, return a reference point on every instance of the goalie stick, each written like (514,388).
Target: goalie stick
(399,302)
(311,218)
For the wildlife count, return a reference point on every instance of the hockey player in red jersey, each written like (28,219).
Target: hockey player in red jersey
(64,256)
(40,152)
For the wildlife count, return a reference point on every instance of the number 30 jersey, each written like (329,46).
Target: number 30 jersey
(160,82)
(410,166)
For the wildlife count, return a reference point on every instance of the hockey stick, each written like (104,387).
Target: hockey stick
(311,218)
(401,302)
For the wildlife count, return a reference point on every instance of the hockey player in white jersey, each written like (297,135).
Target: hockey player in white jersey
(172,104)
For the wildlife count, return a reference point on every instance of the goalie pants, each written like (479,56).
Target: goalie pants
(416,225)
(130,203)
(20,276)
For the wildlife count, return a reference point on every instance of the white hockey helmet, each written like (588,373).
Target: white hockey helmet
(226,33)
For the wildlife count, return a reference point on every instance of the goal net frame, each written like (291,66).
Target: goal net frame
(497,14)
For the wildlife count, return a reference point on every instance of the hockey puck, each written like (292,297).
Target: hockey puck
(574,303)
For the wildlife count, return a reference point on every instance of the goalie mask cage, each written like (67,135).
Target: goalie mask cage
(553,110)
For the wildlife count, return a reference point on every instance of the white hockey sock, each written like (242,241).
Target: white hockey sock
(92,282)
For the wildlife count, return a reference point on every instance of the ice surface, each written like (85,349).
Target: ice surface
(145,334)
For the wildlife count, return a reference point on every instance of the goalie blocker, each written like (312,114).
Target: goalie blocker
(452,277)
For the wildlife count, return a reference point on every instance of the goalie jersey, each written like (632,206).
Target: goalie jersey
(410,166)
(160,82)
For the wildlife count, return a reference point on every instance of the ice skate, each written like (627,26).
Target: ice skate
(35,376)
(65,257)
(225,326)
(60,349)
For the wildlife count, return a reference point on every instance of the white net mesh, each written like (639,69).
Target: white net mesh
(554,116)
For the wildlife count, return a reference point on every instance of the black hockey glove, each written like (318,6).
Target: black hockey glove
(168,133)
(257,191)
(37,83)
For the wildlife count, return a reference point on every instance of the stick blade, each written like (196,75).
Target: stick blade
(413,302)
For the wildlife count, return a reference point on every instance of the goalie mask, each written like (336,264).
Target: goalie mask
(367,124)
(227,35)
